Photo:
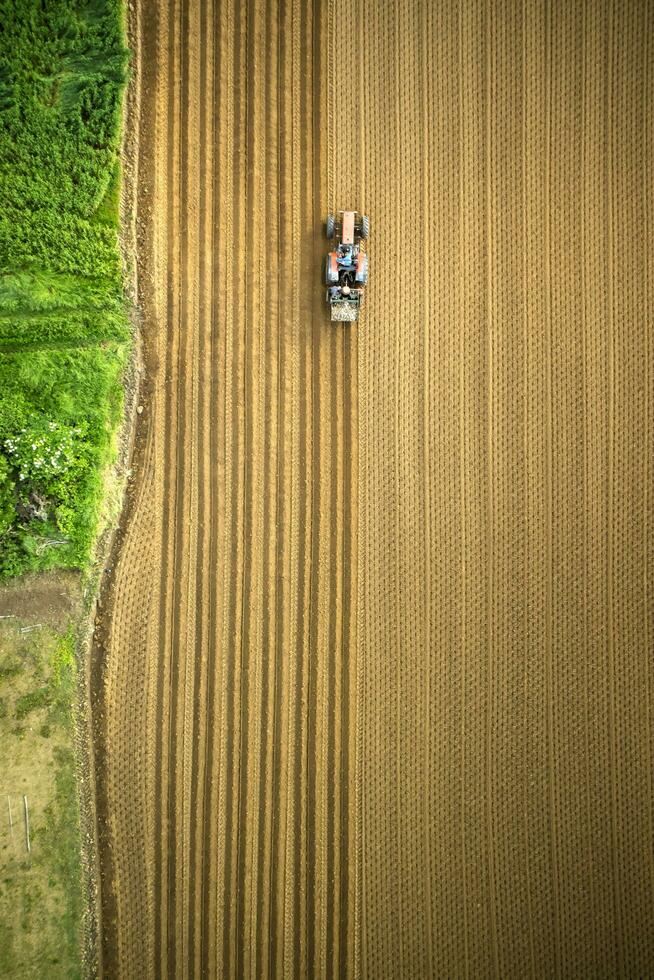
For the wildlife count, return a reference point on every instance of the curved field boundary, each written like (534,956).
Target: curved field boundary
(227,637)
(376,646)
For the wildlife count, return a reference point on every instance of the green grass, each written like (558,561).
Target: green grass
(32,701)
(108,212)
(40,308)
(64,329)
(41,894)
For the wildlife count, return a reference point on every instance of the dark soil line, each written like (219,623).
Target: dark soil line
(175,703)
(161,908)
(231,781)
(268,648)
(206,544)
(216,426)
(282,531)
(138,131)
(248,497)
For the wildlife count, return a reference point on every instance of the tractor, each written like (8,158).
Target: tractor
(346,267)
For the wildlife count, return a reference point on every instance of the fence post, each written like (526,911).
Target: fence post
(27,824)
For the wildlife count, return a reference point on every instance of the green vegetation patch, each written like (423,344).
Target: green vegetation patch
(41,893)
(32,701)
(61,408)
(64,329)
(41,309)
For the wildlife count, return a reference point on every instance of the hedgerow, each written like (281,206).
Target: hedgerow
(63,324)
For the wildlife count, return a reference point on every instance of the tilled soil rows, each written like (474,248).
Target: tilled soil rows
(225,746)
(374,676)
(505,543)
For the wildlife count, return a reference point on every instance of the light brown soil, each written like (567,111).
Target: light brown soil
(49,598)
(505,544)
(224,746)
(463,479)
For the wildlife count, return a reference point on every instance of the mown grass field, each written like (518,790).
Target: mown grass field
(64,331)
(41,897)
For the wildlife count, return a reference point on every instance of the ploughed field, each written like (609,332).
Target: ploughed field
(376,687)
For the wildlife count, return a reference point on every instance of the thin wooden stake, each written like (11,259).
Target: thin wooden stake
(27,824)
(11,819)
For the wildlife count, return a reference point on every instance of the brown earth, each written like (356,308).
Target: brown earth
(376,644)
(224,745)
(49,598)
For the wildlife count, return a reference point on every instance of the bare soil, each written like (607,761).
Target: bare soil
(223,661)
(372,669)
(50,598)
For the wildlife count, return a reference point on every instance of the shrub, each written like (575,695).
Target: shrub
(47,454)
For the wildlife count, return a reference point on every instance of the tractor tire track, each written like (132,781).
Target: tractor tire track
(203,687)
(206,841)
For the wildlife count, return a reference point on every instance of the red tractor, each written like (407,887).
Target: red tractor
(346,268)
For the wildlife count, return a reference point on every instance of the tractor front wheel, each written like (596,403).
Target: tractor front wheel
(365,226)
(330,225)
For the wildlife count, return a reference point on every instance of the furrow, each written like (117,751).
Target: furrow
(235,394)
(203,645)
(169,530)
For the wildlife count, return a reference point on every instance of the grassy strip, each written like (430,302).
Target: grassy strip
(41,897)
(64,343)
(62,72)
(66,329)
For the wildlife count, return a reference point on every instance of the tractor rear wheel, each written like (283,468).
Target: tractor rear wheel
(330,225)
(330,279)
(365,226)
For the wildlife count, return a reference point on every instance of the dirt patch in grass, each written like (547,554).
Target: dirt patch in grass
(49,598)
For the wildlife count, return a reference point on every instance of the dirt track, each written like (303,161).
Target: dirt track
(377,693)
